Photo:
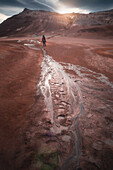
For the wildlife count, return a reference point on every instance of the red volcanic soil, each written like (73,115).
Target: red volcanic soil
(95,123)
(26,137)
(94,54)
(19,73)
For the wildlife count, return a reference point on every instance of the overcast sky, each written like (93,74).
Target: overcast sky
(11,7)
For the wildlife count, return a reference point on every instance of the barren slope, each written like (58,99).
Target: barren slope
(34,22)
(59,116)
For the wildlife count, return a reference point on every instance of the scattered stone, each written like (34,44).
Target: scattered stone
(109,142)
(60,110)
(57,95)
(69,117)
(68,122)
(66,138)
(97,146)
(45,110)
(61,117)
(89,115)
(65,103)
(40,123)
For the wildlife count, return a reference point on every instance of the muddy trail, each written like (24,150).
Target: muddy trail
(70,122)
(74,97)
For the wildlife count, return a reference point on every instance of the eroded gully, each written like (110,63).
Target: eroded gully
(63,94)
(63,100)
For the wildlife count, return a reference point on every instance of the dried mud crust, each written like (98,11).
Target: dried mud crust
(96,123)
(94,54)
(19,73)
(40,131)
(72,137)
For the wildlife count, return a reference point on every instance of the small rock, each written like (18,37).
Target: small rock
(89,115)
(69,117)
(60,110)
(97,146)
(66,138)
(57,95)
(109,142)
(60,117)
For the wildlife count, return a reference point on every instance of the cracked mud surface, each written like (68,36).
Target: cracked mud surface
(67,122)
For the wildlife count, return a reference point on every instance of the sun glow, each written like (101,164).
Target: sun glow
(71,10)
(3,17)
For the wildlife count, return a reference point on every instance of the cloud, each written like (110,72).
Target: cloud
(12,7)
(56,5)
(3,17)
(38,4)
(45,4)
(9,11)
(92,5)
(4,3)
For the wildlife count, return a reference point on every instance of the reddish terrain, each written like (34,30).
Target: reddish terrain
(19,73)
(56,102)
(73,127)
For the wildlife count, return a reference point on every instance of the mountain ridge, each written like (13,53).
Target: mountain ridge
(40,21)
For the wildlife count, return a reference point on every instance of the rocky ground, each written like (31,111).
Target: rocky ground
(56,103)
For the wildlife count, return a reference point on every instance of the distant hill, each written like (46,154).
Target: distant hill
(36,22)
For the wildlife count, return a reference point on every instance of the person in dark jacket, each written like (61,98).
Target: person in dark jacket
(44,41)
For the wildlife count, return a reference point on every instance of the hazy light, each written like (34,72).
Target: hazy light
(44,4)
(3,17)
(8,12)
(71,10)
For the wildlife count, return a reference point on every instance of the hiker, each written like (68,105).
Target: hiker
(44,41)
